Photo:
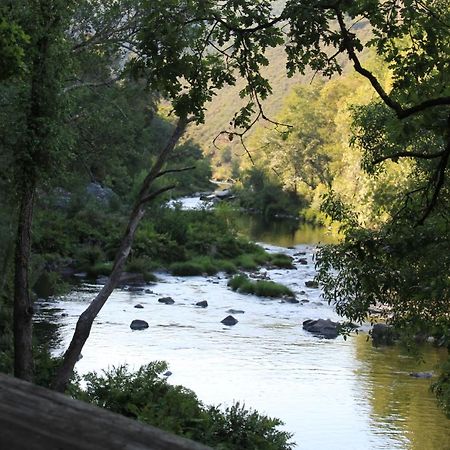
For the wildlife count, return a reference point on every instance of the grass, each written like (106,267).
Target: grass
(101,268)
(261,288)
(281,260)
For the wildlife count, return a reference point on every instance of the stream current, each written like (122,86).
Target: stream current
(331,394)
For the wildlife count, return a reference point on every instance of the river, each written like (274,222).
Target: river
(332,394)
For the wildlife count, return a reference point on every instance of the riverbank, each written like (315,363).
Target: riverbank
(331,393)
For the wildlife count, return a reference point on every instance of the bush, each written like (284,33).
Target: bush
(246,262)
(227,266)
(101,268)
(262,288)
(196,266)
(145,395)
(281,260)
(441,388)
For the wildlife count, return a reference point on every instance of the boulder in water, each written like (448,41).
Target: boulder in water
(323,328)
(138,306)
(312,284)
(229,321)
(202,304)
(138,325)
(421,374)
(166,300)
(235,311)
(383,334)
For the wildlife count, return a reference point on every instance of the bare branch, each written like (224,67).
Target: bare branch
(82,84)
(157,193)
(439,183)
(408,155)
(165,172)
(402,113)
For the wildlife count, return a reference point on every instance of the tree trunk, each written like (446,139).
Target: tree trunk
(23,305)
(86,319)
(31,157)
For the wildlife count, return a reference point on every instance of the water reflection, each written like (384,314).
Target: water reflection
(284,233)
(401,405)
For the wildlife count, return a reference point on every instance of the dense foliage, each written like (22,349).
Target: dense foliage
(80,87)
(146,395)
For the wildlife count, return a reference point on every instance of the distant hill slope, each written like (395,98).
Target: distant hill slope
(222,108)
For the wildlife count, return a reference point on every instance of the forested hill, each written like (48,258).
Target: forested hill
(228,155)
(222,108)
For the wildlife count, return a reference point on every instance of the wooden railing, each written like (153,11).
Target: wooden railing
(35,418)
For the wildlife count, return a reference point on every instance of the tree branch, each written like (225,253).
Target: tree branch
(402,113)
(83,84)
(409,155)
(157,193)
(86,319)
(165,172)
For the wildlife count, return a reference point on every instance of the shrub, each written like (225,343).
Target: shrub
(441,388)
(146,396)
(196,266)
(281,260)
(186,269)
(227,266)
(246,262)
(102,268)
(261,288)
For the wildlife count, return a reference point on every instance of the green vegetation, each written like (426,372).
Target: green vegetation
(441,388)
(261,288)
(370,151)
(146,396)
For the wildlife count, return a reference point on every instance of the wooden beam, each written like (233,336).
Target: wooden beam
(35,418)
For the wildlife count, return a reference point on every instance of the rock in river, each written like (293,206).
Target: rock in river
(383,334)
(323,328)
(312,284)
(421,374)
(202,304)
(166,300)
(230,321)
(235,311)
(138,325)
(138,306)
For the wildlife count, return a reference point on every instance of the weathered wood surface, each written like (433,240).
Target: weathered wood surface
(35,418)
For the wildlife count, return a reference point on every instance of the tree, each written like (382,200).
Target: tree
(173,53)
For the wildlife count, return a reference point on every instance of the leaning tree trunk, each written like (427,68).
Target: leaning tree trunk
(87,318)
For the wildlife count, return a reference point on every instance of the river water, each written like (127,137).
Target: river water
(332,394)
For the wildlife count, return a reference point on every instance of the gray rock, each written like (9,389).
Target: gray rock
(80,274)
(138,306)
(101,194)
(290,300)
(129,278)
(383,334)
(312,284)
(322,328)
(229,321)
(202,304)
(134,289)
(166,300)
(421,374)
(235,311)
(222,194)
(303,261)
(138,325)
